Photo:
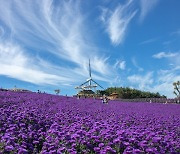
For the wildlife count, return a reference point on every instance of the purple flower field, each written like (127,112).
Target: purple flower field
(43,123)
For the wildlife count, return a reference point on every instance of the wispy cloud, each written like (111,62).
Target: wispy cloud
(165,79)
(164,55)
(166,43)
(60,31)
(136,64)
(120,64)
(1,31)
(16,64)
(116,21)
(146,7)
(149,41)
(142,81)
(160,81)
(176,32)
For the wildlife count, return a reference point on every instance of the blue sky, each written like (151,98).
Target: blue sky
(46,44)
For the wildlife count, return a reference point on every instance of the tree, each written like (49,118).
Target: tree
(177,88)
(129,93)
(101,92)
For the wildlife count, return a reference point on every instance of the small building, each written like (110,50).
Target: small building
(113,96)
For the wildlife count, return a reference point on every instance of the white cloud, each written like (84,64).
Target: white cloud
(55,29)
(148,41)
(116,82)
(162,83)
(146,7)
(165,79)
(116,21)
(15,64)
(98,63)
(136,64)
(176,32)
(142,81)
(171,57)
(164,55)
(1,31)
(120,64)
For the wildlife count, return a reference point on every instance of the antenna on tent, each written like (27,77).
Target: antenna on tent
(89,69)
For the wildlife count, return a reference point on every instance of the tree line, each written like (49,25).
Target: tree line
(129,93)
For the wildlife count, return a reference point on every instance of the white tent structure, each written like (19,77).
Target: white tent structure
(89,84)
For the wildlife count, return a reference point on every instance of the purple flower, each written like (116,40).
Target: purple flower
(22,151)
(101,145)
(156,139)
(35,142)
(9,148)
(149,150)
(117,140)
(126,143)
(136,151)
(52,152)
(97,149)
(61,149)
(44,123)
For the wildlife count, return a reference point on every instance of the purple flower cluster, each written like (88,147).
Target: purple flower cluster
(43,123)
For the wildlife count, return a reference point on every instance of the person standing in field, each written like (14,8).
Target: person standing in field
(104,99)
